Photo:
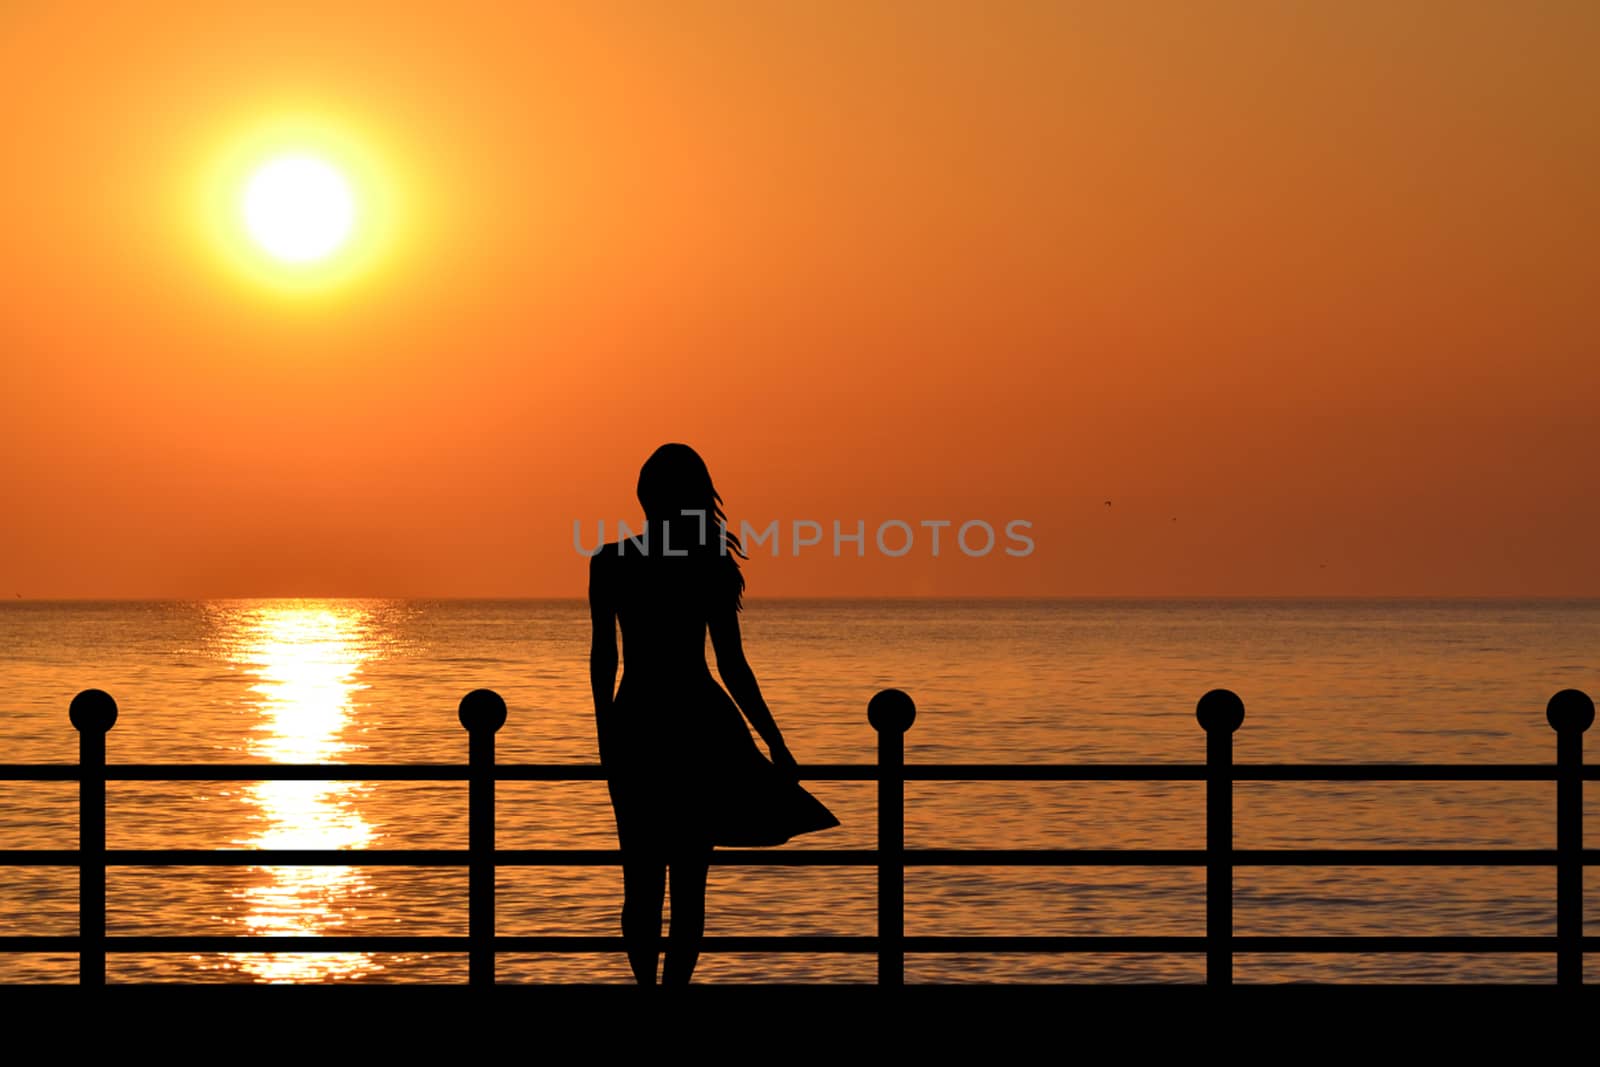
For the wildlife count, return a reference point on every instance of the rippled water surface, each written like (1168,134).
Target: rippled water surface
(1005,681)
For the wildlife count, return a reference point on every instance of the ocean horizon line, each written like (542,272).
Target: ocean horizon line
(1178,598)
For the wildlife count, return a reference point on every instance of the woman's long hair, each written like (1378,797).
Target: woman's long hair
(675,486)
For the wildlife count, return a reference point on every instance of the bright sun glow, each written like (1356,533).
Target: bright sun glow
(303,204)
(298,208)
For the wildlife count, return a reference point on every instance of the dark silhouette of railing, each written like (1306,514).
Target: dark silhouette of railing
(891,713)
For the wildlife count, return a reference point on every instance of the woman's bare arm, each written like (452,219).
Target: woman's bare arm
(602,649)
(742,685)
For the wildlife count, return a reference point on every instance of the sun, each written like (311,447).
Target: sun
(298,209)
(305,205)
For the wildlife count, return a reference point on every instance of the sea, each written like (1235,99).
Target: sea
(1007,681)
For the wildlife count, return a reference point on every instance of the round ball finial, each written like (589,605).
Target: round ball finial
(1220,709)
(1570,709)
(891,709)
(483,709)
(93,710)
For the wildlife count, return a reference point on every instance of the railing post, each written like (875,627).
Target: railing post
(482,712)
(1570,712)
(93,713)
(1220,712)
(891,713)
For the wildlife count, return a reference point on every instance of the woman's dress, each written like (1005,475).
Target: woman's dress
(682,767)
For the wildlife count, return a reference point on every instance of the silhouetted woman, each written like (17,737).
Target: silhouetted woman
(684,773)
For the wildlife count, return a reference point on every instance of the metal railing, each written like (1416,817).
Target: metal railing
(891,713)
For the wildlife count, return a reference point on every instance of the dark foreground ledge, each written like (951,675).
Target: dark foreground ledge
(773,1023)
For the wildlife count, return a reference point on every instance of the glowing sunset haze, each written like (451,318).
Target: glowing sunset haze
(1305,291)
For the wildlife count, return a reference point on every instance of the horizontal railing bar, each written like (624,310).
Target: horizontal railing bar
(573,772)
(1394,772)
(38,772)
(565,772)
(1241,772)
(779,943)
(865,857)
(808,857)
(403,943)
(39,943)
(925,772)
(156,943)
(38,857)
(1055,944)
(261,772)
(1058,857)
(540,943)
(1182,944)
(598,857)
(1049,772)
(1449,944)
(863,943)
(244,857)
(1402,857)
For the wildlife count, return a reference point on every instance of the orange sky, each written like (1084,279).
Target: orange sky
(1315,279)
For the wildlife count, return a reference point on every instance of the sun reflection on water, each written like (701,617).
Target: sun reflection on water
(307,660)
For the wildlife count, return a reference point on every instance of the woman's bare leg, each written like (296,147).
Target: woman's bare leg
(688,915)
(644,884)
